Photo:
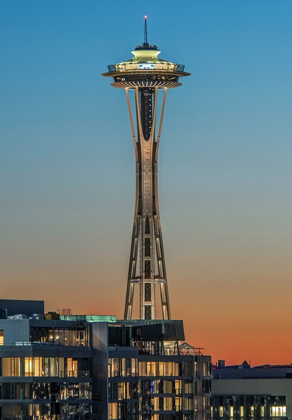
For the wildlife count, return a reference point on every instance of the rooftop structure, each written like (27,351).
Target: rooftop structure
(146,75)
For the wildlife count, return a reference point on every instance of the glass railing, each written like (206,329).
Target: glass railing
(75,374)
(145,66)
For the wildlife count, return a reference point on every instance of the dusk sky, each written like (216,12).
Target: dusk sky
(67,167)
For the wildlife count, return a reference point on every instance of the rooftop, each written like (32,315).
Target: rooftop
(245,371)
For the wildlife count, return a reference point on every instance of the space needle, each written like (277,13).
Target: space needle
(146,75)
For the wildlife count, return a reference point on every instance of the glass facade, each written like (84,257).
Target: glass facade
(42,388)
(46,411)
(44,401)
(45,391)
(121,367)
(44,366)
(159,389)
(61,337)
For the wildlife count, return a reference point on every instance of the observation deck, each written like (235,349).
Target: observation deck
(146,70)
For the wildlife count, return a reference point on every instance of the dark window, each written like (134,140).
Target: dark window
(147,312)
(147,247)
(147,269)
(148,292)
(147,225)
(206,386)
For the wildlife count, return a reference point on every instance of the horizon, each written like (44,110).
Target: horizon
(68,169)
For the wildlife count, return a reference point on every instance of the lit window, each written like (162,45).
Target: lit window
(113,410)
(146,66)
(1,338)
(279,411)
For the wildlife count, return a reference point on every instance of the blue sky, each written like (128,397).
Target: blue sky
(67,161)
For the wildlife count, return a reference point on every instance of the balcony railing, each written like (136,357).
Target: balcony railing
(44,344)
(74,374)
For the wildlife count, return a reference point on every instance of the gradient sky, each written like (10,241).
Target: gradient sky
(67,164)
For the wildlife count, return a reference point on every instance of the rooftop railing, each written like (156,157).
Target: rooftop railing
(44,344)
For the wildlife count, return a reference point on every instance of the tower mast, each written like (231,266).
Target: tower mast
(146,75)
(145,30)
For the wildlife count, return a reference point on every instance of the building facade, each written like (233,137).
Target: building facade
(94,367)
(152,379)
(258,393)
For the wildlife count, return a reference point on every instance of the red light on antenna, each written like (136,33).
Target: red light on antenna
(145,16)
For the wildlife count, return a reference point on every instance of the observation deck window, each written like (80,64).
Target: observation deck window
(124,67)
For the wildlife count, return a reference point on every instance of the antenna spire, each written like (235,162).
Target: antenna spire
(145,30)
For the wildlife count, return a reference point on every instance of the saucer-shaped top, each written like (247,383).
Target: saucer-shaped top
(146,69)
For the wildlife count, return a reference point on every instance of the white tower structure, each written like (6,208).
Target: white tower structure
(146,75)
